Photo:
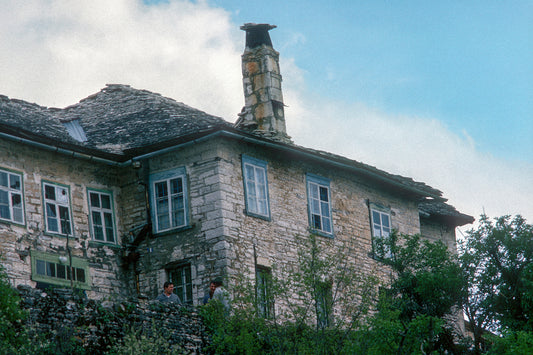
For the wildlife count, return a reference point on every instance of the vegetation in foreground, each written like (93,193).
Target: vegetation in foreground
(491,281)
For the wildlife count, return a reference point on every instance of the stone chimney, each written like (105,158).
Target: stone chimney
(263,111)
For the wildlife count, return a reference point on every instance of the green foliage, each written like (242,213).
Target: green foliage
(330,288)
(245,333)
(513,343)
(12,317)
(239,333)
(427,288)
(63,340)
(146,342)
(298,329)
(497,258)
(387,334)
(428,279)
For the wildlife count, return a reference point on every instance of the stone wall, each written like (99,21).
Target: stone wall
(276,242)
(18,241)
(434,231)
(71,320)
(201,244)
(221,240)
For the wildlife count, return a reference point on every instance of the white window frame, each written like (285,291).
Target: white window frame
(102,219)
(380,229)
(12,189)
(59,206)
(319,204)
(255,179)
(165,179)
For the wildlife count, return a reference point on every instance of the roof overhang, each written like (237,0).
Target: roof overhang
(382,178)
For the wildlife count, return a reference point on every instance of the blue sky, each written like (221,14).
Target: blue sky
(466,63)
(437,91)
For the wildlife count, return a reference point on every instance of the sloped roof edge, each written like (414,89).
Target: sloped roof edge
(444,212)
(130,107)
(398,181)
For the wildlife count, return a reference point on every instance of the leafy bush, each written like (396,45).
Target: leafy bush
(513,343)
(144,341)
(13,334)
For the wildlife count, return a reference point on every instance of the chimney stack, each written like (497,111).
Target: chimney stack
(263,111)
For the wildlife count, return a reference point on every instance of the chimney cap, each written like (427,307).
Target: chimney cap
(257,34)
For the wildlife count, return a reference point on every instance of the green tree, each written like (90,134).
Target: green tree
(418,311)
(330,288)
(321,298)
(497,258)
(13,334)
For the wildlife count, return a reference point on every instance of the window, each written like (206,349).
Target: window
(57,270)
(57,208)
(323,304)
(255,187)
(265,303)
(101,216)
(169,200)
(11,201)
(319,204)
(182,280)
(381,229)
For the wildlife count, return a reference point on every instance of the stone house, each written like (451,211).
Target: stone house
(127,189)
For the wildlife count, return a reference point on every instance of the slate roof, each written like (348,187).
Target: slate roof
(121,122)
(372,170)
(117,120)
(444,212)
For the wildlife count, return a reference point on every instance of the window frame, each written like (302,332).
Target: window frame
(167,176)
(57,204)
(49,259)
(263,289)
(324,303)
(10,191)
(102,211)
(257,165)
(381,211)
(320,182)
(183,287)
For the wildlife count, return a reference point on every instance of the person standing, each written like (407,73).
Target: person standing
(168,295)
(209,295)
(221,295)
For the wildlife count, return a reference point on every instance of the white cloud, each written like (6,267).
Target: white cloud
(63,51)
(417,147)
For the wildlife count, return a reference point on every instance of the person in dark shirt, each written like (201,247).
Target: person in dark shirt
(209,295)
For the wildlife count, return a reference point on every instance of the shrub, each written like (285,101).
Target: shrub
(144,341)
(13,334)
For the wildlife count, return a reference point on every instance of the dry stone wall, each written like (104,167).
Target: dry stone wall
(71,321)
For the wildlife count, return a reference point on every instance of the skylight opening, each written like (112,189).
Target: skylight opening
(75,130)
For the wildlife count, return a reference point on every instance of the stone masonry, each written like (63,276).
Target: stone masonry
(71,321)
(133,137)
